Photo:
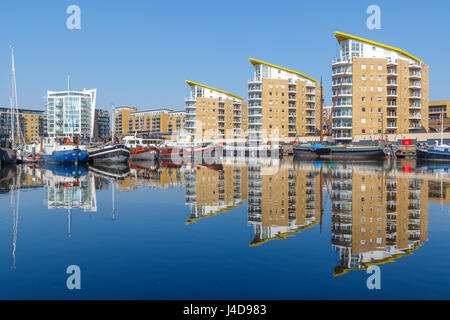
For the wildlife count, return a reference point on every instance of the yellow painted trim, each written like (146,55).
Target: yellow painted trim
(340,36)
(255,62)
(192,83)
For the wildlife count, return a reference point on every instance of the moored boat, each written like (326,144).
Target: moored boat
(62,151)
(109,154)
(357,152)
(144,154)
(311,151)
(436,152)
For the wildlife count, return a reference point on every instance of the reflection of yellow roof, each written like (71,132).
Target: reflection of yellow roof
(255,62)
(227,209)
(343,270)
(340,36)
(191,83)
(283,235)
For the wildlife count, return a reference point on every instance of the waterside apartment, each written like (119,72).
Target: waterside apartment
(282,103)
(383,90)
(128,120)
(214,115)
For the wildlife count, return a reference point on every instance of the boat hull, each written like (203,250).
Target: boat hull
(358,153)
(66,156)
(144,154)
(114,154)
(8,156)
(306,152)
(429,154)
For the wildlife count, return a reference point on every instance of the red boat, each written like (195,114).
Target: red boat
(143,154)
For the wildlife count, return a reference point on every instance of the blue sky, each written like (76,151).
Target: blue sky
(140,52)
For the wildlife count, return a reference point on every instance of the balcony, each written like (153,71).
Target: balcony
(339,61)
(415,65)
(415,75)
(416,116)
(391,62)
(415,97)
(392,94)
(391,115)
(392,84)
(310,85)
(391,106)
(415,106)
(391,125)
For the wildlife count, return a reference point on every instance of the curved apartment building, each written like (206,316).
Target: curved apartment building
(376,90)
(214,115)
(282,104)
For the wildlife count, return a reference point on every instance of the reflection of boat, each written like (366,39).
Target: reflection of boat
(145,165)
(7,174)
(437,152)
(109,154)
(67,171)
(7,155)
(114,170)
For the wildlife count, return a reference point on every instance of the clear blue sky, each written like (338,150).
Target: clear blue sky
(140,52)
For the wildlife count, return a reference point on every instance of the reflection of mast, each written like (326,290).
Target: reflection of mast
(113,201)
(321,198)
(15,200)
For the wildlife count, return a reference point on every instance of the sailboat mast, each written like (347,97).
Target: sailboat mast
(321,111)
(13,97)
(442,127)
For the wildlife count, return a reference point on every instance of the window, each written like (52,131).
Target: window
(363,120)
(380,67)
(363,88)
(363,77)
(380,78)
(363,67)
(380,89)
(363,99)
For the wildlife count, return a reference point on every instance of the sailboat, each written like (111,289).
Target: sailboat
(440,151)
(63,150)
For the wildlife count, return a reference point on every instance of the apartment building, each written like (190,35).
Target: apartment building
(122,116)
(71,113)
(32,123)
(214,115)
(283,104)
(128,120)
(439,110)
(101,124)
(382,90)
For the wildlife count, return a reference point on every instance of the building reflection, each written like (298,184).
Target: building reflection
(211,190)
(379,210)
(282,199)
(376,217)
(152,174)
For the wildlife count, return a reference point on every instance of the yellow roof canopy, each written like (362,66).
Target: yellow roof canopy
(340,36)
(256,62)
(192,83)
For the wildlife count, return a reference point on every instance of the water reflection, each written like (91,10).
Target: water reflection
(379,210)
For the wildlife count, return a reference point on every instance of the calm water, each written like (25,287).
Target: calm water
(261,230)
